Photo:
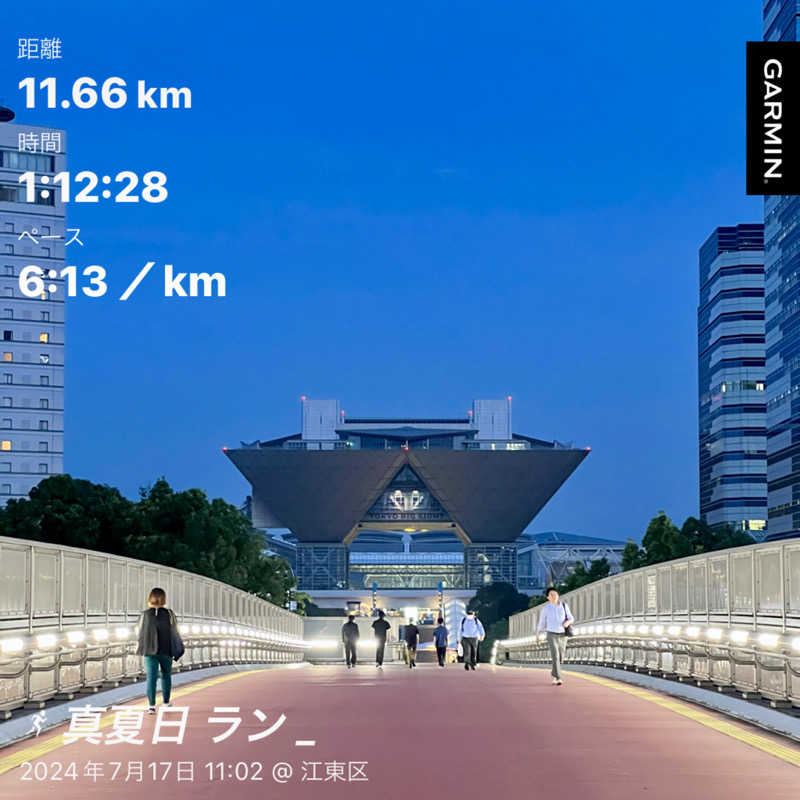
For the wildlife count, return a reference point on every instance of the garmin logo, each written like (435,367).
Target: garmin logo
(773,118)
(773,113)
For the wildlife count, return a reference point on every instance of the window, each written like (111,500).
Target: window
(44,403)
(45,316)
(46,252)
(8,313)
(7,402)
(7,336)
(5,488)
(45,230)
(8,377)
(42,447)
(14,159)
(5,466)
(8,357)
(44,358)
(8,269)
(9,248)
(5,444)
(43,425)
(44,338)
(16,194)
(8,291)
(8,227)
(43,468)
(6,422)
(44,380)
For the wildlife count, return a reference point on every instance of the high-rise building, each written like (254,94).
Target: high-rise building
(782,315)
(730,349)
(32,347)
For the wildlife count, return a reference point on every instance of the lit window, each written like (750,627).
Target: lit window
(44,337)
(5,444)
(8,357)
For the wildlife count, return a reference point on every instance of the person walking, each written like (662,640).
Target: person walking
(554,619)
(411,635)
(381,629)
(440,635)
(350,635)
(159,644)
(470,632)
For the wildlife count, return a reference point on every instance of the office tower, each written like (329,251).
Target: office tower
(782,315)
(731,408)
(32,349)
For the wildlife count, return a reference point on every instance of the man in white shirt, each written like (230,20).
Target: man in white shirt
(555,618)
(470,632)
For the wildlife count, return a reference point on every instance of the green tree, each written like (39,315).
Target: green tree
(580,576)
(497,601)
(633,556)
(72,512)
(705,539)
(178,529)
(663,541)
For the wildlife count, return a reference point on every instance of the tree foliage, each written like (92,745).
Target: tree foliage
(178,529)
(663,541)
(497,601)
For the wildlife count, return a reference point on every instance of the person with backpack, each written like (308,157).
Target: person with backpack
(350,635)
(381,630)
(554,619)
(470,632)
(160,644)
(440,635)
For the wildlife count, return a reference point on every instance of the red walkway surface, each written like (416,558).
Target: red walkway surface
(428,733)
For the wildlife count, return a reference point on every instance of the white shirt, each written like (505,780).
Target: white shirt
(551,618)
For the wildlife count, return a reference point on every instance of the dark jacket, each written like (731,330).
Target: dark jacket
(349,631)
(381,628)
(149,639)
(411,634)
(440,636)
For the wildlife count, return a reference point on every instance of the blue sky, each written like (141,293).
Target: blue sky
(413,206)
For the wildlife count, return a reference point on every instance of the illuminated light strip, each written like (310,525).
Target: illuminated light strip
(56,741)
(773,748)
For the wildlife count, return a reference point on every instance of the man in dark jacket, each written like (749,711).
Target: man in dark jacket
(350,639)
(411,635)
(440,635)
(381,629)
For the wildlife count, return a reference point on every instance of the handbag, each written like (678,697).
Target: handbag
(176,642)
(460,650)
(568,630)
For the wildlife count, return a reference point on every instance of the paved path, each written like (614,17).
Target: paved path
(426,733)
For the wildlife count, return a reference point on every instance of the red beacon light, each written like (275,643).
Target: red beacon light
(224,449)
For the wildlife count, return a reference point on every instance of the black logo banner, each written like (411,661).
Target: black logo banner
(773,118)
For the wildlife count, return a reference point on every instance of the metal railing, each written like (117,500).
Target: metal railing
(68,621)
(726,619)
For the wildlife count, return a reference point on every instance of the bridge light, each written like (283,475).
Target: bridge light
(76,637)
(618,629)
(674,630)
(206,629)
(215,629)
(796,643)
(692,631)
(658,630)
(715,634)
(14,645)
(768,639)
(608,628)
(44,641)
(644,629)
(739,637)
(100,634)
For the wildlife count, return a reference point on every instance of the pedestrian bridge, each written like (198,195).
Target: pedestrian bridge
(251,715)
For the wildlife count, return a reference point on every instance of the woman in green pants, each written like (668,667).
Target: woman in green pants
(159,643)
